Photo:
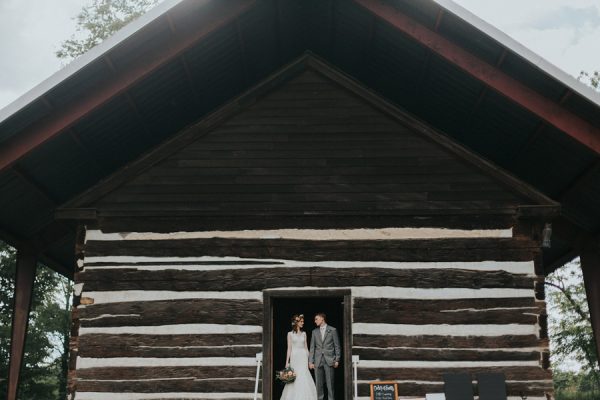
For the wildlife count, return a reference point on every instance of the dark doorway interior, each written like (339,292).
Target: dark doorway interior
(283,309)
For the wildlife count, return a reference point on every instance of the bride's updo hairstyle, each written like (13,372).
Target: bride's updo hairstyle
(295,320)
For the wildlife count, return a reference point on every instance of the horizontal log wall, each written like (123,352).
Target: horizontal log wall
(183,317)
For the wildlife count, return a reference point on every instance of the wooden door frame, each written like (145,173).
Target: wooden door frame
(268,299)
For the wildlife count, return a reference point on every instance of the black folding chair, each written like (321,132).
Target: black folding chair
(458,386)
(492,386)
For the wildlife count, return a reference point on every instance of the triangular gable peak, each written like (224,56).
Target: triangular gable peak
(308,141)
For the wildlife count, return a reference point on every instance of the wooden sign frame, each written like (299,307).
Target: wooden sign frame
(373,383)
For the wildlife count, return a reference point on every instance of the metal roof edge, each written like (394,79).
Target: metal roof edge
(87,58)
(519,49)
(81,62)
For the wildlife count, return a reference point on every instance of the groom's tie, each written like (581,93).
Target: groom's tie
(322,333)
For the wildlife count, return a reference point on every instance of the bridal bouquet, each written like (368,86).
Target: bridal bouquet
(286,375)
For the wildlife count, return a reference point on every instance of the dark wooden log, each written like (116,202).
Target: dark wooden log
(340,168)
(131,373)
(539,265)
(405,354)
(103,351)
(406,187)
(405,305)
(458,342)
(216,311)
(278,205)
(545,361)
(516,373)
(461,311)
(74,352)
(540,290)
(25,275)
(416,316)
(185,384)
(183,340)
(167,221)
(501,249)
(74,349)
(543,323)
(238,345)
(263,278)
(177,263)
(372,178)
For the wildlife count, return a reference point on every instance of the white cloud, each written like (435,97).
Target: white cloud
(564,32)
(30,33)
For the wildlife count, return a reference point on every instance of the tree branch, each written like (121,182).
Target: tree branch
(582,314)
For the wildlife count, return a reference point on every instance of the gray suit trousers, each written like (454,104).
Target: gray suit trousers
(324,375)
(324,353)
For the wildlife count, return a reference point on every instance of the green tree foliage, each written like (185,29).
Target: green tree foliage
(98,21)
(592,79)
(45,358)
(570,385)
(571,336)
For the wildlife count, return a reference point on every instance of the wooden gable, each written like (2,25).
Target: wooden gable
(309,142)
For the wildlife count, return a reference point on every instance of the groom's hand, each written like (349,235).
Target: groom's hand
(336,364)
(311,366)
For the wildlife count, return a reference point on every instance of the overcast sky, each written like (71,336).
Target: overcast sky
(565,32)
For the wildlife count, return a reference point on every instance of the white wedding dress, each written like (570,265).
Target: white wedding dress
(303,388)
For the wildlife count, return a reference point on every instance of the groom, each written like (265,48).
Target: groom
(324,355)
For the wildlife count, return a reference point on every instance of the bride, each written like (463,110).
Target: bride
(303,388)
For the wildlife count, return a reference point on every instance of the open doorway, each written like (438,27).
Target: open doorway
(279,308)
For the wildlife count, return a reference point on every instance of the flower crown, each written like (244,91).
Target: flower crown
(297,319)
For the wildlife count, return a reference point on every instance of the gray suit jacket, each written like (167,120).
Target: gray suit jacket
(327,348)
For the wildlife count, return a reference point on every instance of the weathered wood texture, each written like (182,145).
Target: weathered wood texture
(463,311)
(309,154)
(172,379)
(238,345)
(149,313)
(499,249)
(181,384)
(395,354)
(115,221)
(511,284)
(264,278)
(445,342)
(310,147)
(114,373)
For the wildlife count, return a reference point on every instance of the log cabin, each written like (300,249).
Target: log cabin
(218,166)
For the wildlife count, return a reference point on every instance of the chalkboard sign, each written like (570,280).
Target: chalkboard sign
(384,390)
